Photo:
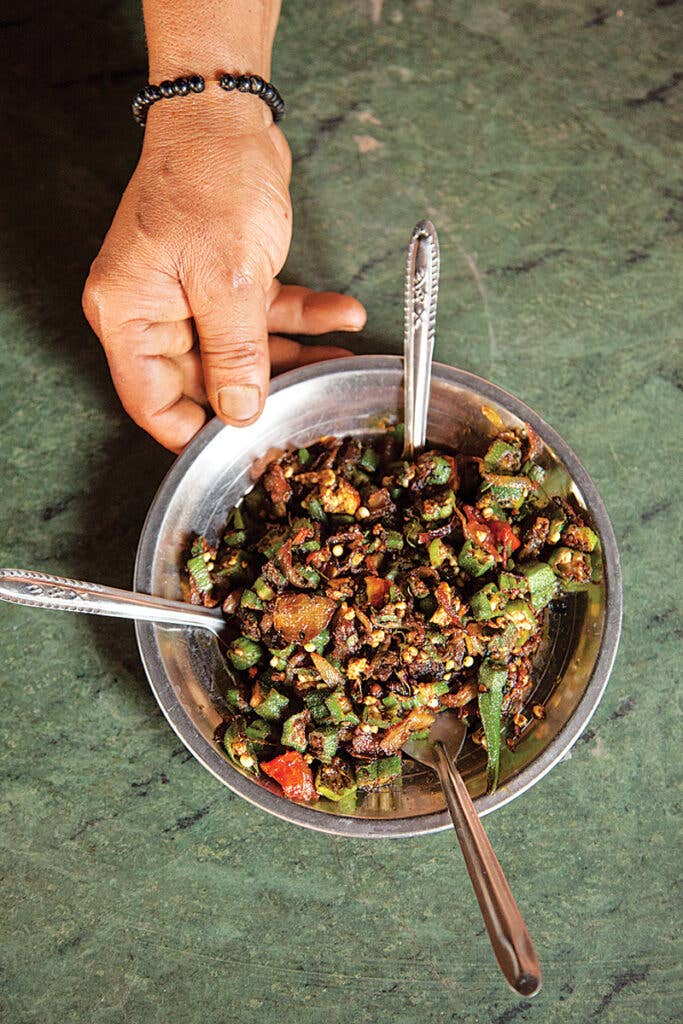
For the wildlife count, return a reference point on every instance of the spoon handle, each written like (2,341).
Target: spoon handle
(22,586)
(505,925)
(421,289)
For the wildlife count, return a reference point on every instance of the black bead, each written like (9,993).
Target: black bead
(181,87)
(227,82)
(166,89)
(256,85)
(268,93)
(152,93)
(244,83)
(196,83)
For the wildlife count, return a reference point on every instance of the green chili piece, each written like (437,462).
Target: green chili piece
(272,706)
(493,678)
(542,583)
(294,731)
(390,701)
(475,560)
(200,574)
(304,456)
(487,603)
(244,653)
(340,708)
(379,773)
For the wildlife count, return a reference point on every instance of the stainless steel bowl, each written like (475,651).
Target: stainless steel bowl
(352,396)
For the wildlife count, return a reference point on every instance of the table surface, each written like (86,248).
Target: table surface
(543,142)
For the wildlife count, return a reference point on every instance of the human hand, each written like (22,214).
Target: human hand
(184,293)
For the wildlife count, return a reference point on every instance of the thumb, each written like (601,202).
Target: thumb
(230,317)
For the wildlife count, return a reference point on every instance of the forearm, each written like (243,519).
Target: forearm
(209,36)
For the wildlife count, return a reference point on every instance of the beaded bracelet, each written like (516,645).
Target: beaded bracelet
(187,84)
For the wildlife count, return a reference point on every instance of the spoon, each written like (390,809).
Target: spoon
(421,289)
(41,590)
(505,925)
(507,931)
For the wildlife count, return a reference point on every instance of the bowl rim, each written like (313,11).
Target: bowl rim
(369,828)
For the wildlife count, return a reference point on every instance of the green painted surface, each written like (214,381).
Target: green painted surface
(543,140)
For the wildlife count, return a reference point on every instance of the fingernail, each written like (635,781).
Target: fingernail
(239,402)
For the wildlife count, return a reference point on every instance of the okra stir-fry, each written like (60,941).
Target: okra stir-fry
(367,593)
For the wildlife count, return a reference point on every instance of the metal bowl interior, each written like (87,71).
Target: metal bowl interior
(352,396)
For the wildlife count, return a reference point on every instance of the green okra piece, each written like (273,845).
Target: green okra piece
(475,560)
(541,583)
(244,653)
(493,678)
(272,706)
(294,731)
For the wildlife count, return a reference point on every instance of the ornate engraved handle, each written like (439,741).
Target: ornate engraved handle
(41,590)
(421,290)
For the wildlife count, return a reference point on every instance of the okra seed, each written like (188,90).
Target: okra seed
(274,662)
(468,661)
(363,512)
(338,550)
(246,761)
(309,648)
(450,665)
(207,556)
(288,472)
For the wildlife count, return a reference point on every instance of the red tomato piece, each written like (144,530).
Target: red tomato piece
(292,773)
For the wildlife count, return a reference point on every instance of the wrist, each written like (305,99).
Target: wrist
(209,37)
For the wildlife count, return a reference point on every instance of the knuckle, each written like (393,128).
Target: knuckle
(95,299)
(231,358)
